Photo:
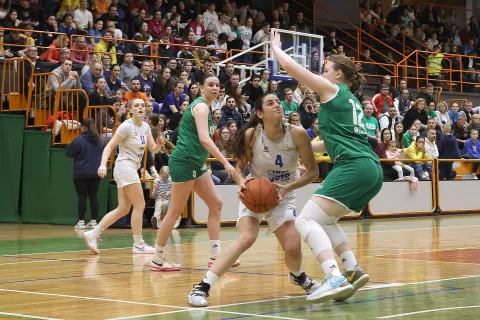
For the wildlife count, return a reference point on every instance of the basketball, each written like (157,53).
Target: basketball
(260,195)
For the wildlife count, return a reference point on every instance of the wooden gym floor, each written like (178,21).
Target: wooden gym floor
(420,268)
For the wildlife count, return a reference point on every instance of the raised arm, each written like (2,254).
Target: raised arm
(320,85)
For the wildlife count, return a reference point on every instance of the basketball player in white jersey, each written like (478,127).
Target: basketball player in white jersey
(132,136)
(270,148)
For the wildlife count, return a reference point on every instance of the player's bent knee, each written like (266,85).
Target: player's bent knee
(246,240)
(302,226)
(336,234)
(313,211)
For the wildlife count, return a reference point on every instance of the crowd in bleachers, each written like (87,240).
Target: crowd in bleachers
(191,37)
(432,29)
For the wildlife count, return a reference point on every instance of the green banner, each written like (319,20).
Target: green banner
(11,145)
(36,176)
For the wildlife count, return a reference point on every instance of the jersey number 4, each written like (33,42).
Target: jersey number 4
(278,161)
(357,117)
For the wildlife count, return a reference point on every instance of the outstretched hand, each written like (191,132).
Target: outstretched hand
(275,40)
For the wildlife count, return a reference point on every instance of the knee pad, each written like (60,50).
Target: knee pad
(312,211)
(302,226)
(335,234)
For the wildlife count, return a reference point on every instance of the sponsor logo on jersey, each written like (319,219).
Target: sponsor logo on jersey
(265,149)
(278,175)
(294,213)
(194,173)
(204,167)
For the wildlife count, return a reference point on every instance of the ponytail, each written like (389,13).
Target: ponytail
(357,81)
(89,123)
(236,146)
(351,76)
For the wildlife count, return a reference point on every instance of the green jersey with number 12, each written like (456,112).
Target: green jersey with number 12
(342,126)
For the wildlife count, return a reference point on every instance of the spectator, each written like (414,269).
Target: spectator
(68,79)
(427,94)
(472,151)
(388,119)
(475,123)
(460,129)
(176,118)
(90,78)
(113,80)
(99,97)
(83,18)
(253,90)
(403,102)
(80,53)
(417,112)
(107,44)
(431,144)
(417,151)
(160,86)
(67,26)
(220,26)
(299,93)
(135,92)
(96,32)
(197,27)
(393,153)
(431,113)
(146,78)
(172,102)
(443,114)
(162,189)
(86,150)
(313,130)
(410,136)
(202,57)
(306,113)
(434,64)
(371,123)
(288,104)
(210,15)
(447,149)
(453,112)
(387,80)
(27,14)
(429,16)
(229,112)
(273,88)
(301,25)
(397,93)
(432,125)
(294,119)
(382,101)
(128,70)
(220,101)
(225,74)
(399,134)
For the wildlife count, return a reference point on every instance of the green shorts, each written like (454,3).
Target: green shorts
(182,170)
(353,183)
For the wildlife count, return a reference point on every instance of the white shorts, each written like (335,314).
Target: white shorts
(282,213)
(125,173)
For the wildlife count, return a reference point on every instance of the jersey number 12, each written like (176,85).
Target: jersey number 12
(357,117)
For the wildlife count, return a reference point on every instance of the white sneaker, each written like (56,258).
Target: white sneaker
(198,296)
(92,224)
(80,225)
(331,288)
(143,247)
(177,223)
(92,241)
(162,264)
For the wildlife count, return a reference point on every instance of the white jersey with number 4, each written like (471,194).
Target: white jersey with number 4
(134,141)
(276,161)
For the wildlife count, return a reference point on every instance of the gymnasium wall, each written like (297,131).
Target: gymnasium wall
(43,180)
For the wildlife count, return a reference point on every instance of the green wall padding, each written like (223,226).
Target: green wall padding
(36,176)
(63,198)
(11,145)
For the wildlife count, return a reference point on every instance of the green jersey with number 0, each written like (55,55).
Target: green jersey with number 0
(342,126)
(189,148)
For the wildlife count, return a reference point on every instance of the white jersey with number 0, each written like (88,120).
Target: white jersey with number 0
(134,141)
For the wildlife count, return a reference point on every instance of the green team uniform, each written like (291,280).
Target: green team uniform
(357,175)
(187,161)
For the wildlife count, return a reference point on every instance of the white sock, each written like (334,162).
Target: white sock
(137,239)
(210,278)
(348,260)
(296,273)
(215,248)
(158,252)
(97,231)
(327,267)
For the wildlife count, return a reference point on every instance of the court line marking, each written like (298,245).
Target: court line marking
(426,311)
(203,310)
(25,316)
(206,242)
(93,298)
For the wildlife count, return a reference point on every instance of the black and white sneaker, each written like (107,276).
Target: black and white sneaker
(199,294)
(305,282)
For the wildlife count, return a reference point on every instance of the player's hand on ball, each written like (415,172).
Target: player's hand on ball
(282,190)
(102,171)
(242,185)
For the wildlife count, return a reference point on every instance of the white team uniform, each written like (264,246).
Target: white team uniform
(278,162)
(131,152)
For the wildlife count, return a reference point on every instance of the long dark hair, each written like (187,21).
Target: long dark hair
(236,146)
(89,123)
(381,135)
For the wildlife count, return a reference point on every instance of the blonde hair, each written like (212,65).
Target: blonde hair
(164,169)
